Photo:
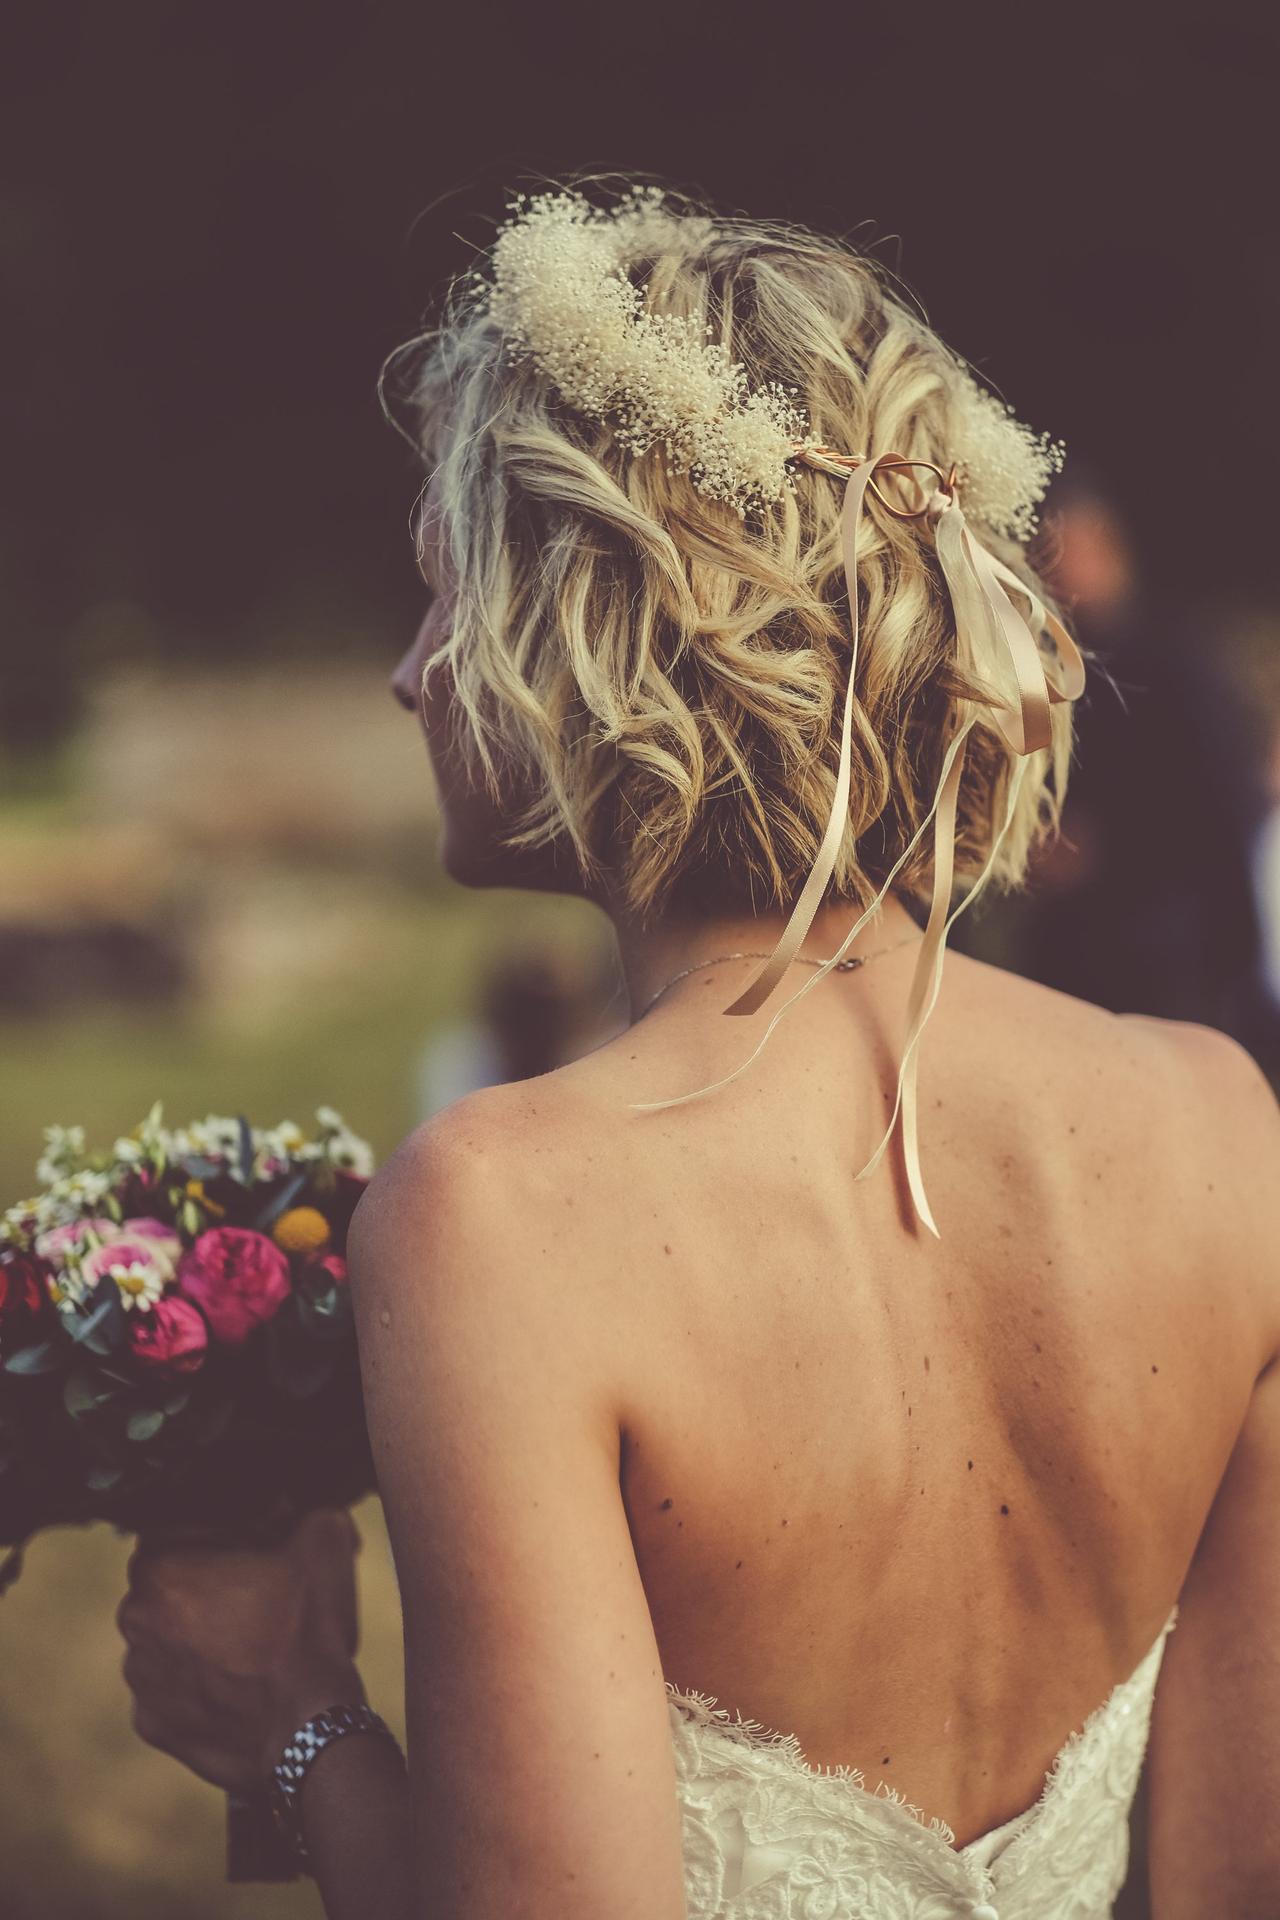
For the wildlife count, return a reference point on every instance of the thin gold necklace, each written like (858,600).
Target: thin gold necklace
(849,965)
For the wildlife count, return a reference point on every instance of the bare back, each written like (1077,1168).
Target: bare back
(920,1503)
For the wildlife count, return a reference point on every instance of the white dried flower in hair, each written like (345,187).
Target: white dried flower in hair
(1005,466)
(562,295)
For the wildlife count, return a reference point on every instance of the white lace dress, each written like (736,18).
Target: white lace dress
(767,1837)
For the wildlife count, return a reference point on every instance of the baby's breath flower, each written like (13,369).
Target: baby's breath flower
(562,295)
(1005,466)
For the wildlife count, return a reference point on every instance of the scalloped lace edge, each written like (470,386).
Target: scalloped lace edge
(785,1749)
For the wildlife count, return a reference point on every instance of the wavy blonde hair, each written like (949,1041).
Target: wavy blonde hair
(660,678)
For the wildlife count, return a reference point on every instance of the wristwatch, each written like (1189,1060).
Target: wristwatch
(300,1755)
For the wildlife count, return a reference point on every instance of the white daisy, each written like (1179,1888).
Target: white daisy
(141,1283)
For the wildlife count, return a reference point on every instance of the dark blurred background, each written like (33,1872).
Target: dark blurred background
(217,870)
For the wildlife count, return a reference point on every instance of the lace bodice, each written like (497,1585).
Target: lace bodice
(768,1837)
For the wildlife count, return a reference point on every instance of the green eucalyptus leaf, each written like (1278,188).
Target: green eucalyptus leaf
(176,1401)
(309,1309)
(43,1357)
(104,1330)
(201,1167)
(113,1373)
(85,1393)
(190,1218)
(145,1424)
(101,1478)
(112,1208)
(326,1314)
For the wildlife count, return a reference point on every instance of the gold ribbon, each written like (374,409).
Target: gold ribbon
(999,646)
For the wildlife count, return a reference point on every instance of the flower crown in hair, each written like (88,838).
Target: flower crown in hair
(562,294)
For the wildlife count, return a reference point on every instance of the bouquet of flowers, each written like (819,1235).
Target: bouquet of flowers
(177,1351)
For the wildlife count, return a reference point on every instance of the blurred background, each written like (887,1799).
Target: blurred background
(217,853)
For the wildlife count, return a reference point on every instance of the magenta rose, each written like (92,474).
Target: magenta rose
(24,1298)
(172,1337)
(237,1278)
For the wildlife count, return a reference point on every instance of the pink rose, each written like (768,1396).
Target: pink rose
(165,1241)
(335,1266)
(237,1278)
(142,1268)
(154,1229)
(172,1336)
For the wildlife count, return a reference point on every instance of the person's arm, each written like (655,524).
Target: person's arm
(541,1771)
(1214,1756)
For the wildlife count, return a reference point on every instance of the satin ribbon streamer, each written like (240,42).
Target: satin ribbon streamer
(999,646)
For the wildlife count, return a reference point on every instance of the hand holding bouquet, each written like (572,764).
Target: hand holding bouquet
(177,1348)
(177,1352)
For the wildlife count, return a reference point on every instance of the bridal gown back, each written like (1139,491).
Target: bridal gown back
(767,1837)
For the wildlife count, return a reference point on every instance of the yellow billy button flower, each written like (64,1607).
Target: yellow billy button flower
(301,1230)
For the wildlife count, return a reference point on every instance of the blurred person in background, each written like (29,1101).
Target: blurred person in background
(1146,902)
(681,1405)
(535,1014)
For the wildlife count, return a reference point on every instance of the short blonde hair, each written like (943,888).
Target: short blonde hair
(658,677)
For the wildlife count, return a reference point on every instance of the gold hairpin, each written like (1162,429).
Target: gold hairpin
(842,464)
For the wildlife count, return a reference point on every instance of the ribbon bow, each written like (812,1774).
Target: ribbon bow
(999,644)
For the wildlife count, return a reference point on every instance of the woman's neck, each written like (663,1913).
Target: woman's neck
(652,956)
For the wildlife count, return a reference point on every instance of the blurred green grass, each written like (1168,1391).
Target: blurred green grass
(97,1826)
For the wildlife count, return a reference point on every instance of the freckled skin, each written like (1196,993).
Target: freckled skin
(1027,1607)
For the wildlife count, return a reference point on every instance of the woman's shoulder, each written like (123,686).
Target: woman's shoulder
(496,1177)
(1149,1058)
(1191,1125)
